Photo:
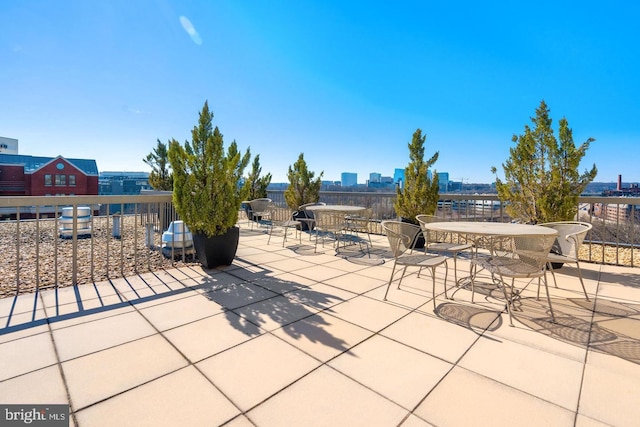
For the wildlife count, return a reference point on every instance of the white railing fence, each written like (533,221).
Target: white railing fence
(41,248)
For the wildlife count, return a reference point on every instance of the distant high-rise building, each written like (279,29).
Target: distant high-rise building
(374,177)
(349,179)
(443,181)
(398,175)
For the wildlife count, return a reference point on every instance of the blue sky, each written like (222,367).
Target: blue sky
(345,82)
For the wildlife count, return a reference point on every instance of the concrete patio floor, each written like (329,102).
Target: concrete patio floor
(287,337)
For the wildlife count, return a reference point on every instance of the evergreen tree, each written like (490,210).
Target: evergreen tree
(542,182)
(160,177)
(257,185)
(206,193)
(303,188)
(419,194)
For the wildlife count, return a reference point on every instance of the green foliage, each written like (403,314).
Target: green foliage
(542,182)
(160,177)
(257,186)
(303,188)
(419,194)
(206,190)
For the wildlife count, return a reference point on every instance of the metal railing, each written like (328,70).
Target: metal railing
(125,233)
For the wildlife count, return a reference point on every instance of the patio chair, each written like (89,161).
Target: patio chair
(524,257)
(402,236)
(360,223)
(306,217)
(258,209)
(566,248)
(442,242)
(281,217)
(329,222)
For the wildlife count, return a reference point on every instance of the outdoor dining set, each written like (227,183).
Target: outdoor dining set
(504,252)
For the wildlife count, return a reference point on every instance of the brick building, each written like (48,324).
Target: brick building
(22,175)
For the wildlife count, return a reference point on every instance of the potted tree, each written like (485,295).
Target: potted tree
(303,189)
(542,182)
(419,192)
(257,185)
(206,190)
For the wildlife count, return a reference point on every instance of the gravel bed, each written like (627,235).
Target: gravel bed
(100,256)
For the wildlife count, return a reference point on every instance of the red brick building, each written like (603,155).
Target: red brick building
(47,176)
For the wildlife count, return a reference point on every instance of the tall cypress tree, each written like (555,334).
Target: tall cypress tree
(160,177)
(257,185)
(303,188)
(542,182)
(419,194)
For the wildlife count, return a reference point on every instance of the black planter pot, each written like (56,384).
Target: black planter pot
(217,250)
(419,241)
(302,215)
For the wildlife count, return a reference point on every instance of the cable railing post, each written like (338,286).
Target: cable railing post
(74,245)
(18,250)
(38,247)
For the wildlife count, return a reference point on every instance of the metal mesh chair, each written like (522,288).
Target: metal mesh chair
(329,222)
(524,257)
(360,223)
(280,217)
(566,248)
(258,209)
(441,242)
(401,237)
(306,217)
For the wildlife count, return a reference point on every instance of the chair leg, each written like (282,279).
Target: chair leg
(553,317)
(507,299)
(393,270)
(404,270)
(581,281)
(433,277)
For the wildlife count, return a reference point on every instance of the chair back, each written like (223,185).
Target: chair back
(571,234)
(279,214)
(429,235)
(259,205)
(532,249)
(401,235)
(329,220)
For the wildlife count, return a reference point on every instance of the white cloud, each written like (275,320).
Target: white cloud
(188,27)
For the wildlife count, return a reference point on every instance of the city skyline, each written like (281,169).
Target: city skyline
(347,84)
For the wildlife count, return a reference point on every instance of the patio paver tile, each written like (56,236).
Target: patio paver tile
(90,336)
(182,398)
(368,313)
(257,369)
(610,390)
(322,336)
(180,311)
(327,398)
(26,354)
(206,337)
(106,373)
(431,335)
(400,373)
(43,385)
(275,312)
(548,376)
(465,398)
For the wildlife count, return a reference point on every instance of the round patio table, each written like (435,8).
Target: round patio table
(340,208)
(484,229)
